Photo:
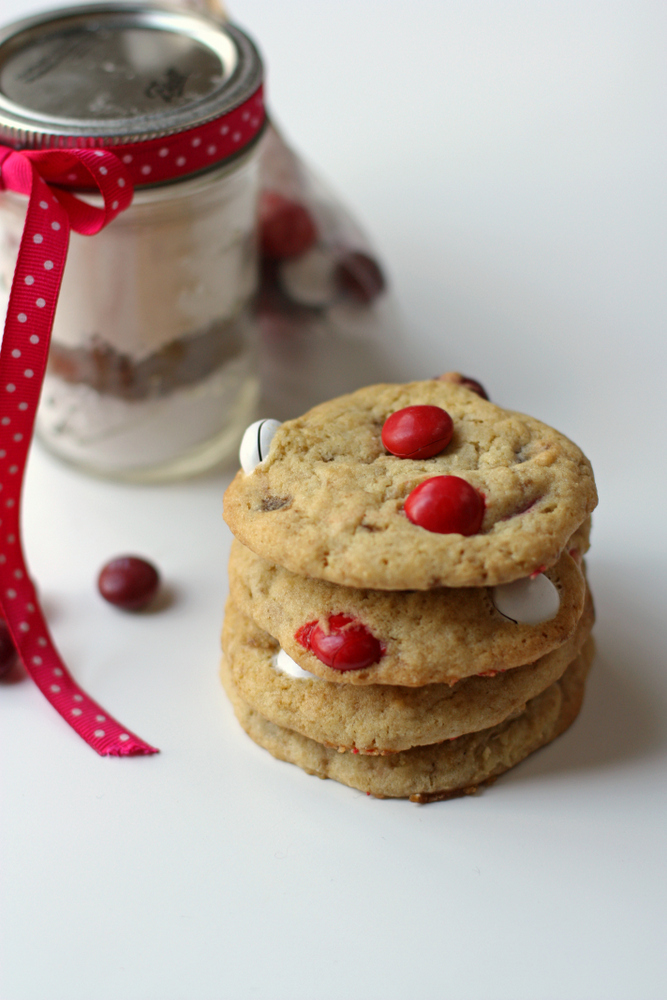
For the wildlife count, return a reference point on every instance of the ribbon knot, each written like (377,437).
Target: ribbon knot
(44,176)
(93,170)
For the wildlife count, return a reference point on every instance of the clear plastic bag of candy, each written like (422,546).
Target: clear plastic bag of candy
(328,323)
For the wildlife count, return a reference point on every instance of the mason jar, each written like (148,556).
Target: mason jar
(152,371)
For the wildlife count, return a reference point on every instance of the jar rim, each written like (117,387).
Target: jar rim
(119,73)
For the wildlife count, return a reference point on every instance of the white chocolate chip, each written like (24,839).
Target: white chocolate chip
(528,601)
(309,279)
(284,664)
(256,442)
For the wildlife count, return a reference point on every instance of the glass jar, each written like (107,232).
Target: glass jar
(152,371)
(152,367)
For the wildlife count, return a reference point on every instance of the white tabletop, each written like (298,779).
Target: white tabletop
(509,162)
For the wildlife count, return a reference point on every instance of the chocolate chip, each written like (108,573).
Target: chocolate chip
(275,503)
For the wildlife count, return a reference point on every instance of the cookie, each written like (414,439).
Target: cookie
(424,637)
(438,771)
(329,501)
(382,718)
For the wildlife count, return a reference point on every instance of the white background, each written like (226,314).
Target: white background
(509,161)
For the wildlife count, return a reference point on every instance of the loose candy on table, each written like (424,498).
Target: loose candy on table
(256,442)
(417,432)
(309,278)
(468,383)
(129,582)
(359,276)
(8,653)
(529,601)
(286,227)
(346,646)
(446,505)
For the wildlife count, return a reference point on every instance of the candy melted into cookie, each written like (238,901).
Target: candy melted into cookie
(380,718)
(530,601)
(256,442)
(284,664)
(343,498)
(423,637)
(340,642)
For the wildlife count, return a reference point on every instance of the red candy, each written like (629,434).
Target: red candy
(128,582)
(468,383)
(417,432)
(446,505)
(474,386)
(7,649)
(286,227)
(359,276)
(346,646)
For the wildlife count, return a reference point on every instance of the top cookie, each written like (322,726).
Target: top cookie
(328,501)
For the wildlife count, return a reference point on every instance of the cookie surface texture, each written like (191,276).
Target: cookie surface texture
(382,718)
(328,501)
(429,773)
(436,636)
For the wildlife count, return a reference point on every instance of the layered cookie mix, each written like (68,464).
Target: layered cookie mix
(153,348)
(408,612)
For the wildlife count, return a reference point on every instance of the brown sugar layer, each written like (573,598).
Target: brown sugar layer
(180,363)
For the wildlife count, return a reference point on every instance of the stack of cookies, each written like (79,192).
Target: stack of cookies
(408,609)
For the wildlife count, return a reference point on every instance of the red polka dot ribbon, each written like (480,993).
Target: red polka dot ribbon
(46,177)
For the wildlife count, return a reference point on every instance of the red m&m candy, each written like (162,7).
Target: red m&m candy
(286,228)
(474,386)
(347,646)
(417,432)
(446,505)
(7,649)
(359,276)
(128,582)
(468,383)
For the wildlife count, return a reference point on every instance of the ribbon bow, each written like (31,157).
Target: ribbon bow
(44,176)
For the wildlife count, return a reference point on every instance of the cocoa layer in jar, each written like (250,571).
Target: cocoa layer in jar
(180,362)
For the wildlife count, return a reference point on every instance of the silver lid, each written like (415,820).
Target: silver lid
(123,72)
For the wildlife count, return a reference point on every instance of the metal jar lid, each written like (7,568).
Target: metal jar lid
(121,72)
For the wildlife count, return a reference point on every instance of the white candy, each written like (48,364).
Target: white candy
(256,442)
(528,601)
(309,279)
(284,664)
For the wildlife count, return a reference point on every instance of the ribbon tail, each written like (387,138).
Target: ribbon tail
(23,357)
